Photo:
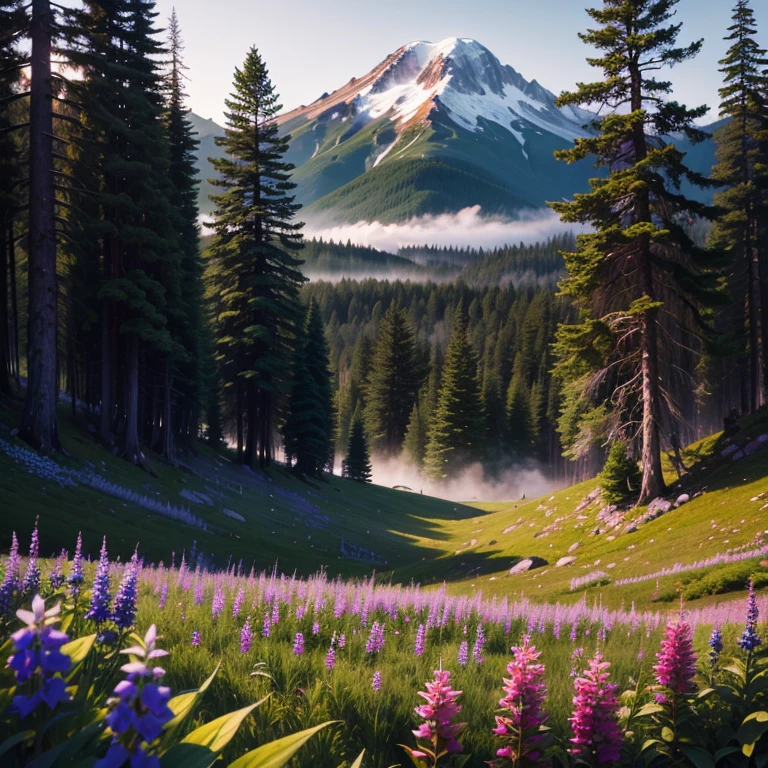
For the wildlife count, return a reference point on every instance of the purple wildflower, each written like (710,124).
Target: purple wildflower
(125,600)
(139,709)
(523,715)
(716,644)
(56,577)
(76,577)
(463,653)
(37,659)
(375,641)
(749,639)
(316,628)
(342,640)
(596,732)
(421,640)
(298,644)
(376,684)
(246,636)
(195,638)
(676,665)
(163,595)
(100,597)
(238,604)
(477,650)
(31,583)
(217,606)
(438,735)
(330,658)
(10,585)
(265,632)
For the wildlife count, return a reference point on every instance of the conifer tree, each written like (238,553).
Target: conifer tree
(620,477)
(357,461)
(415,443)
(519,421)
(186,312)
(13,21)
(253,274)
(129,245)
(392,383)
(745,200)
(308,430)
(38,421)
(456,432)
(639,274)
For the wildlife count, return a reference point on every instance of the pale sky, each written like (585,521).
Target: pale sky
(312,46)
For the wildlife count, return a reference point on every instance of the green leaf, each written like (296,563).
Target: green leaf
(277,753)
(219,732)
(78,649)
(183,704)
(63,754)
(751,731)
(698,756)
(17,738)
(725,752)
(649,709)
(359,761)
(667,734)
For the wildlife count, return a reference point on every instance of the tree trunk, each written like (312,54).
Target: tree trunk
(14,306)
(38,421)
(253,433)
(131,444)
(167,432)
(5,335)
(239,417)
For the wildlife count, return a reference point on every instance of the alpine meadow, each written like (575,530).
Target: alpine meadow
(423,421)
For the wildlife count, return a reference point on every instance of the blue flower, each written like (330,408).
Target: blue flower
(125,600)
(99,610)
(37,655)
(716,644)
(749,639)
(31,583)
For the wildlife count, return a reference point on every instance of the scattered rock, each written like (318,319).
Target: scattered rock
(610,538)
(755,445)
(574,547)
(234,515)
(682,499)
(527,564)
(510,528)
(568,560)
(729,449)
(738,455)
(587,500)
(630,528)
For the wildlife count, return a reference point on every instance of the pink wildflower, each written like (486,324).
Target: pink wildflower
(676,664)
(438,735)
(523,716)
(596,732)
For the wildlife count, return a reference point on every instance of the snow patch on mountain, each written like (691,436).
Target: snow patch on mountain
(468,81)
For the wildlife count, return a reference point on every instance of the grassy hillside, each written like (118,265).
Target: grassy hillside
(276,518)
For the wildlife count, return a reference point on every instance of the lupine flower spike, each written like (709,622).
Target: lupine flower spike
(100,598)
(749,639)
(676,665)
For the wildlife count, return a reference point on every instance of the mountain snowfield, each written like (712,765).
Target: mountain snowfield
(434,129)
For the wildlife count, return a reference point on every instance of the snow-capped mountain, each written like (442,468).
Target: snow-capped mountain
(434,128)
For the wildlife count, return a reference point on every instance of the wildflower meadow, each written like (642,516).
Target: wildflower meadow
(168,664)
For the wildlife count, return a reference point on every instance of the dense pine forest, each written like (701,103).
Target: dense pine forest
(644,332)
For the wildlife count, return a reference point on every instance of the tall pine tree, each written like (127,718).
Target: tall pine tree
(457,428)
(309,428)
(745,101)
(392,383)
(639,274)
(253,274)
(357,461)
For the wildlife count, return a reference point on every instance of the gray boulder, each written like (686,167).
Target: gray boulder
(568,560)
(527,564)
(682,499)
(574,547)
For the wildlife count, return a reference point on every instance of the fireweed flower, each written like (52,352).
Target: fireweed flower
(523,716)
(376,684)
(438,735)
(31,583)
(676,665)
(316,628)
(463,653)
(124,610)
(716,644)
(217,606)
(749,639)
(267,625)
(246,636)
(139,709)
(37,659)
(330,658)
(196,638)
(298,644)
(100,598)
(342,640)
(238,604)
(375,642)
(596,733)
(10,584)
(163,595)
(421,639)
(477,650)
